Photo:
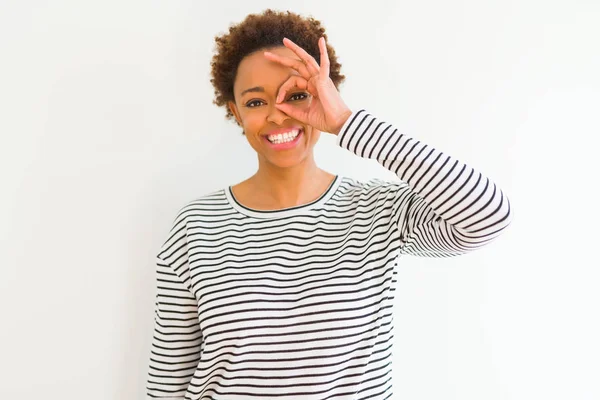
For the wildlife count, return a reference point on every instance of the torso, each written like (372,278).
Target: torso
(300,300)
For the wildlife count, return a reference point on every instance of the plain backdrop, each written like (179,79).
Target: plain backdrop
(108,128)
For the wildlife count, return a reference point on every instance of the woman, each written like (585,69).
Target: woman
(282,286)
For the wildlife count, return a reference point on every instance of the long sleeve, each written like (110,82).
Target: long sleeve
(177,340)
(443,207)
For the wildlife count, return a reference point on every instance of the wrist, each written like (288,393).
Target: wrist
(342,122)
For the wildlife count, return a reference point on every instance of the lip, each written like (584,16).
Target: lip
(283,130)
(285,146)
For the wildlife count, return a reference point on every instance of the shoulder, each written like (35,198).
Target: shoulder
(372,198)
(205,204)
(195,209)
(356,188)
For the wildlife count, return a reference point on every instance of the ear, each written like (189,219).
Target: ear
(234,111)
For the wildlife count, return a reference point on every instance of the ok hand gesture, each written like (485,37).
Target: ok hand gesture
(327,111)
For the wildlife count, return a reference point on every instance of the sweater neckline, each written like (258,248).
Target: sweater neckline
(283,212)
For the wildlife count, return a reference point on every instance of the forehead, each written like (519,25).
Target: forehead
(256,70)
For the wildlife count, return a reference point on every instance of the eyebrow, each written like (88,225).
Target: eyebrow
(261,89)
(254,89)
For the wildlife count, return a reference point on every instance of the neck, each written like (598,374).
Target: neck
(290,187)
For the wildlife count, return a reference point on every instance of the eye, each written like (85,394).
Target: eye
(250,103)
(299,94)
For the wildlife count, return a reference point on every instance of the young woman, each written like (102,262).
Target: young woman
(282,286)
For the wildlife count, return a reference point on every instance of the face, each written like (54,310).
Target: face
(255,112)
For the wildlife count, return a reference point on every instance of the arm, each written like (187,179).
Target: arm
(443,207)
(177,340)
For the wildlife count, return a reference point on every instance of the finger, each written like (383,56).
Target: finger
(298,113)
(324,58)
(298,65)
(311,63)
(294,81)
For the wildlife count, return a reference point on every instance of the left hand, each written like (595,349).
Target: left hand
(327,111)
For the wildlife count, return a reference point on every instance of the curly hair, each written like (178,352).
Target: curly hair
(262,31)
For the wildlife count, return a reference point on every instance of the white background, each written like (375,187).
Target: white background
(108,128)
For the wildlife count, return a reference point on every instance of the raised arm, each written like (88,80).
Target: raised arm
(443,207)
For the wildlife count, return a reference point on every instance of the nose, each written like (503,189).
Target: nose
(276,116)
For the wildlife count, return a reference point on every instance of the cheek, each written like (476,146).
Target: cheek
(314,136)
(251,125)
(254,141)
(252,122)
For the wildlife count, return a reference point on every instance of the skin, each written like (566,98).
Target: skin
(297,92)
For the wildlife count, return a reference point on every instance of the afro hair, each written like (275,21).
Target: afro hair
(263,31)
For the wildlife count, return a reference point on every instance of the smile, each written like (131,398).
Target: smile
(284,141)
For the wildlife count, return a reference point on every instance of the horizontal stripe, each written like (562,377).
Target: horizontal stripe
(297,303)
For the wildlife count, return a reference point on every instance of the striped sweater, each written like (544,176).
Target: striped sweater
(297,303)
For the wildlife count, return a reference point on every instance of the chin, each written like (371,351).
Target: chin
(286,162)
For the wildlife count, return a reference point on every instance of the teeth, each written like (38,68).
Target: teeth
(283,137)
